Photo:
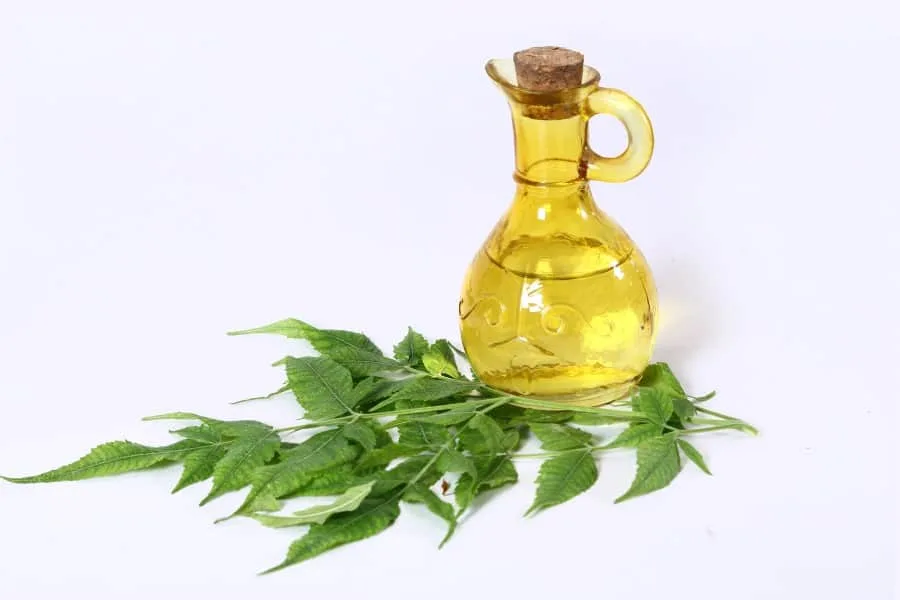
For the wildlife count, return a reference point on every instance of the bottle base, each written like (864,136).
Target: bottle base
(590,398)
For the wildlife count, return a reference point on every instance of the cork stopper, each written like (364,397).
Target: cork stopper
(548,68)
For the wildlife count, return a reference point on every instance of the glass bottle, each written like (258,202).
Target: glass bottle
(559,303)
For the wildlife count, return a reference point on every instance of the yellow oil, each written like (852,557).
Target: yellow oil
(558,303)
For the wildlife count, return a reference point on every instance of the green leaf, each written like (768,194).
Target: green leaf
(329,342)
(635,434)
(492,472)
(439,360)
(451,417)
(268,396)
(660,377)
(362,433)
(111,458)
(416,469)
(423,494)
(231,429)
(658,464)
(530,415)
(587,419)
(321,451)
(346,502)
(454,461)
(491,434)
(329,482)
(684,408)
(199,464)
(555,436)
(362,363)
(199,433)
(563,477)
(417,434)
(411,348)
(372,517)
(323,387)
(694,455)
(243,457)
(383,456)
(426,389)
(656,406)
(353,350)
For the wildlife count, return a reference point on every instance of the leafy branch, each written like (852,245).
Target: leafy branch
(387,430)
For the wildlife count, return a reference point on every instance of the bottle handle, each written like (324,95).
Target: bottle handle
(634,159)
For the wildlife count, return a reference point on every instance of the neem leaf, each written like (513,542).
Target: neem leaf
(492,472)
(423,494)
(555,436)
(373,516)
(410,349)
(634,434)
(346,502)
(362,433)
(417,434)
(426,389)
(563,477)
(655,405)
(657,465)
(323,387)
(660,377)
(199,464)
(111,458)
(243,457)
(694,455)
(439,360)
(319,452)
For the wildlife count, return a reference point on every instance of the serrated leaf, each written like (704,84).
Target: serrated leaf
(426,389)
(297,466)
(416,469)
(556,436)
(444,510)
(563,477)
(418,434)
(451,417)
(361,363)
(232,429)
(439,360)
(587,419)
(492,472)
(323,387)
(454,461)
(634,435)
(410,349)
(199,464)
(245,455)
(383,456)
(112,458)
(660,377)
(353,350)
(658,464)
(694,455)
(362,433)
(683,407)
(199,433)
(511,440)
(373,389)
(490,433)
(329,482)
(655,405)
(326,341)
(268,396)
(530,415)
(372,517)
(346,502)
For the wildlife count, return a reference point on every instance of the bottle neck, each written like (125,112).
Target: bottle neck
(548,151)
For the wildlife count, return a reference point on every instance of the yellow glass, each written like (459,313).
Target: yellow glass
(559,303)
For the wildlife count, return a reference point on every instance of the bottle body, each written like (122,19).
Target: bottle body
(558,303)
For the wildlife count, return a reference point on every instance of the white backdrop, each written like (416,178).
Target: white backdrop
(173,170)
